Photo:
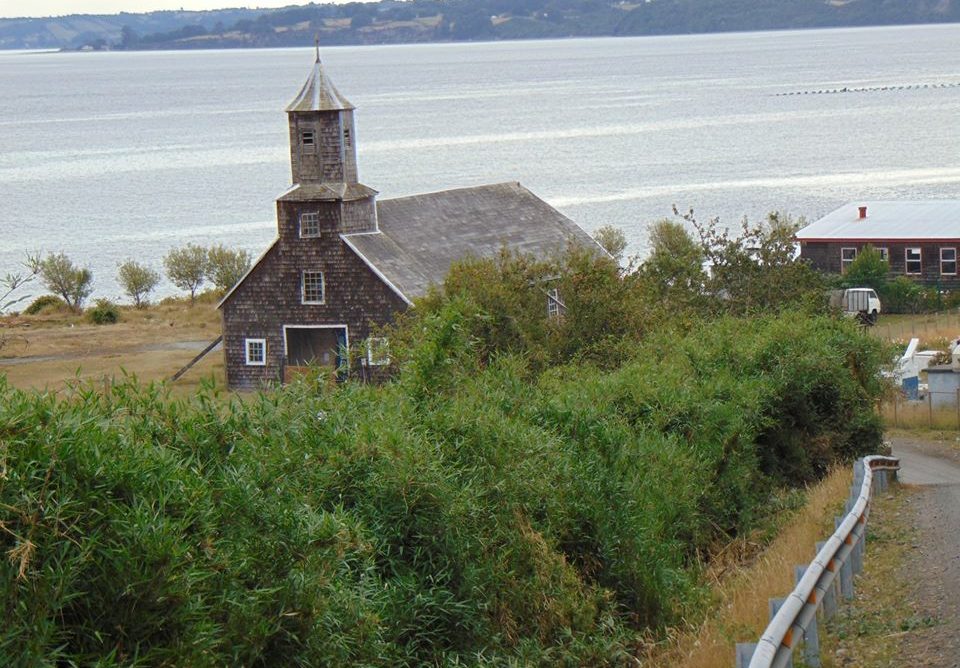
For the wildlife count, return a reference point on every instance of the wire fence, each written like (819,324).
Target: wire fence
(934,325)
(933,410)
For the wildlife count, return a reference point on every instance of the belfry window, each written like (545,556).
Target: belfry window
(347,140)
(308,141)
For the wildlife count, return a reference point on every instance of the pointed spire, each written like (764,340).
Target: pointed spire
(319,93)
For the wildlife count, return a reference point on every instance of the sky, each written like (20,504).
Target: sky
(19,8)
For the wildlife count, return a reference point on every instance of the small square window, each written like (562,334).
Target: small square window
(553,303)
(256,350)
(948,261)
(378,352)
(311,287)
(308,141)
(310,224)
(847,256)
(914,260)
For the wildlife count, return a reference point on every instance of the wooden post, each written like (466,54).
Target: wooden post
(930,406)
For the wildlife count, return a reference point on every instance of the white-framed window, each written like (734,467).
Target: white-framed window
(553,303)
(308,140)
(311,287)
(914,260)
(884,253)
(378,351)
(309,224)
(847,256)
(948,261)
(256,351)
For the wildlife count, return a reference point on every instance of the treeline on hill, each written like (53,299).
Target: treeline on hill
(389,21)
(528,490)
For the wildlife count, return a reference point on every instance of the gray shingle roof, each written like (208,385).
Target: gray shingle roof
(319,93)
(888,220)
(311,192)
(421,236)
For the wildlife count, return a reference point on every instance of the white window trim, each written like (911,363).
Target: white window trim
(553,303)
(246,350)
(954,260)
(303,287)
(304,235)
(844,263)
(907,261)
(384,360)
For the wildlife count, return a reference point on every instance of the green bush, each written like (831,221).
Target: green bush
(44,303)
(104,312)
(472,512)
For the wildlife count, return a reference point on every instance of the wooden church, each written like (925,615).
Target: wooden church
(343,262)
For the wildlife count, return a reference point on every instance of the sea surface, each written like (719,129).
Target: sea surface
(109,156)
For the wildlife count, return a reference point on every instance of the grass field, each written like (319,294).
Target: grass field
(49,350)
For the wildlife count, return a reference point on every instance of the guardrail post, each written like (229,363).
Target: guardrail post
(830,595)
(745,652)
(846,578)
(811,634)
(774,605)
(856,555)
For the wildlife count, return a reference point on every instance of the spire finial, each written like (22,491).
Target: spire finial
(316,41)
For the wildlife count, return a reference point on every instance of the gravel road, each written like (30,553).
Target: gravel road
(932,577)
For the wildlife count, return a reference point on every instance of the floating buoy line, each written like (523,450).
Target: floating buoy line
(869,89)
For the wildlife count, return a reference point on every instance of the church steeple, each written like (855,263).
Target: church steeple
(322,146)
(327,195)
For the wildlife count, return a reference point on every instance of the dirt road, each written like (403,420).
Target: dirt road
(932,574)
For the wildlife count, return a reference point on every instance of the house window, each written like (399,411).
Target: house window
(378,354)
(310,224)
(847,256)
(553,303)
(308,141)
(311,287)
(948,261)
(884,254)
(347,140)
(256,351)
(914,260)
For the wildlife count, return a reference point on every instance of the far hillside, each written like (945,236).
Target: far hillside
(390,21)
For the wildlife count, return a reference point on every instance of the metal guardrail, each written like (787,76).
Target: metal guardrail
(827,577)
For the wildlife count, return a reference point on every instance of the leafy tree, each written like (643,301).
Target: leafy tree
(868,269)
(225,267)
(611,239)
(758,269)
(187,268)
(137,281)
(58,273)
(674,269)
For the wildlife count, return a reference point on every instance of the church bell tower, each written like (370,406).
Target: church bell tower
(323,163)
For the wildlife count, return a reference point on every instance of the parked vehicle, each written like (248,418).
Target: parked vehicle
(860,303)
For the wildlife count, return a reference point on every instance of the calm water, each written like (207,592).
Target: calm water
(114,155)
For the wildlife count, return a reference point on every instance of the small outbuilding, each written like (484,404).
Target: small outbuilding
(344,263)
(918,238)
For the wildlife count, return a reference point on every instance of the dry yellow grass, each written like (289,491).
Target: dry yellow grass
(919,415)
(741,613)
(47,351)
(927,327)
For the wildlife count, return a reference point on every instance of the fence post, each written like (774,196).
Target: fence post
(896,404)
(774,606)
(930,406)
(745,652)
(830,595)
(958,408)
(811,634)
